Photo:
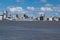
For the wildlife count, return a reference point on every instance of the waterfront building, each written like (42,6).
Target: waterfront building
(55,19)
(0,17)
(25,16)
(59,19)
(50,19)
(4,15)
(18,16)
(43,17)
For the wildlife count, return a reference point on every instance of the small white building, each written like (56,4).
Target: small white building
(0,17)
(45,18)
(4,15)
(50,19)
(55,19)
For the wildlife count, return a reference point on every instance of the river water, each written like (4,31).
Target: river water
(26,33)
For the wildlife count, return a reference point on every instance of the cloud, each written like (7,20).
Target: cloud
(46,9)
(48,5)
(13,9)
(51,7)
(31,8)
(34,12)
(41,13)
(56,9)
(30,15)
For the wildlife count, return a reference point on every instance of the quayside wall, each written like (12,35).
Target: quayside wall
(32,24)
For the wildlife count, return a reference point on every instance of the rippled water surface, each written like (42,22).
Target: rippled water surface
(26,33)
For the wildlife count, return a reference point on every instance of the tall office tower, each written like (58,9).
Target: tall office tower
(4,15)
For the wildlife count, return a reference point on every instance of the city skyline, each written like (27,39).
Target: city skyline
(31,7)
